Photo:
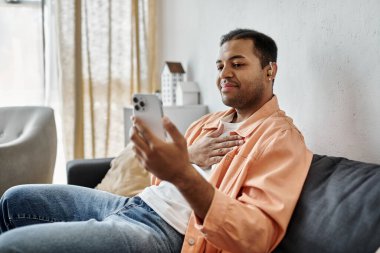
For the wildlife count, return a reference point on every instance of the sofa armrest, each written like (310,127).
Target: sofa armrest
(87,172)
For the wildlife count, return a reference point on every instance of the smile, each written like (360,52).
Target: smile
(227,85)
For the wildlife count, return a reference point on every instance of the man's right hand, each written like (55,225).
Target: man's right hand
(211,148)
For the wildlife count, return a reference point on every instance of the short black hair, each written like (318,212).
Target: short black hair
(264,46)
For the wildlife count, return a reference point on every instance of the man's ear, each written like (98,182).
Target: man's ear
(271,70)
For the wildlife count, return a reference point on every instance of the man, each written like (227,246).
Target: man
(243,203)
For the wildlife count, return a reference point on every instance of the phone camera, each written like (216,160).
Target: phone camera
(137,107)
(142,104)
(135,100)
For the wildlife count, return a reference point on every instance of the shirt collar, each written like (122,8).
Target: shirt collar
(252,122)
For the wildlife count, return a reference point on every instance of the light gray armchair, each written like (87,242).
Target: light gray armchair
(28,145)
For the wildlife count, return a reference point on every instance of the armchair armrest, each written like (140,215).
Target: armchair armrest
(87,172)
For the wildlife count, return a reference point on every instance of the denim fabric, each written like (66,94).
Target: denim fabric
(66,218)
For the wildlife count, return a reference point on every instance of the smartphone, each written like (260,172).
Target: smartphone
(148,108)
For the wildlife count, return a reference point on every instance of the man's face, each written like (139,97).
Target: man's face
(241,80)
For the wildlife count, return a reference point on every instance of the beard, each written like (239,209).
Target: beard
(246,98)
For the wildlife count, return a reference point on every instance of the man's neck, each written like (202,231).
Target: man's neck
(234,119)
(242,114)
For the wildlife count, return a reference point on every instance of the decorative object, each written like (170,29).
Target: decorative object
(187,93)
(172,73)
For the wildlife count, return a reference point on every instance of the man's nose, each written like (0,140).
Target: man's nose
(226,72)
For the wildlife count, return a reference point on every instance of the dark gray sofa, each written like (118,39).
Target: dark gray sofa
(338,210)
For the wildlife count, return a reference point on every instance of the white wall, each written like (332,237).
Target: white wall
(329,62)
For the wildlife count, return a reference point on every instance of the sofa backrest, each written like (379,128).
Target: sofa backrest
(338,210)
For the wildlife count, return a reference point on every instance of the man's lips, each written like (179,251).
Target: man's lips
(226,86)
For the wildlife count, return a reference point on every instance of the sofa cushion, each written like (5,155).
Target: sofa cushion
(126,176)
(338,210)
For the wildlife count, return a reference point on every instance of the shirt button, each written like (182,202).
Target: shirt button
(191,241)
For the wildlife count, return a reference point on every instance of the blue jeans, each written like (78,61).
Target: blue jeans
(66,218)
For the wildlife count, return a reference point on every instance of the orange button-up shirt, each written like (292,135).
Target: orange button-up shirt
(256,185)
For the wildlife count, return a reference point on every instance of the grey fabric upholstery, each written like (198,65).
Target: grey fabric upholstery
(28,145)
(338,210)
(87,172)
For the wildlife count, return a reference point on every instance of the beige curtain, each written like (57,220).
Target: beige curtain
(107,50)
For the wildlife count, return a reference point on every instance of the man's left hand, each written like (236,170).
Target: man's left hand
(166,160)
(169,161)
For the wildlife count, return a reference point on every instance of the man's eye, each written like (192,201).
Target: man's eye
(219,68)
(237,65)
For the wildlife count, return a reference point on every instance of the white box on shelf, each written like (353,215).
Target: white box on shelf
(187,93)
(181,116)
